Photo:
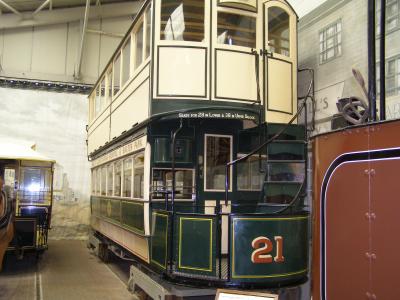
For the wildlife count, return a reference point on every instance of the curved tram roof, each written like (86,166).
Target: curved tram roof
(21,152)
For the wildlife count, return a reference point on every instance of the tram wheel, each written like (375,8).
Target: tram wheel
(104,253)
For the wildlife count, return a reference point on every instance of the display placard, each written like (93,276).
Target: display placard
(244,295)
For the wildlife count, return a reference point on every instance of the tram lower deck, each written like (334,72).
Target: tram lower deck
(190,228)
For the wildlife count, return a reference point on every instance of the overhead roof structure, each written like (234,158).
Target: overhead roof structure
(19,6)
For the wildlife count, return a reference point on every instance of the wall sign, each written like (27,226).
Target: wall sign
(218,115)
(134,146)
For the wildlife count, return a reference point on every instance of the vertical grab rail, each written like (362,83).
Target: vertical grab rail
(382,63)
(171,246)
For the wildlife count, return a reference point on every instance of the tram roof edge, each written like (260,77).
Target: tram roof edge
(21,152)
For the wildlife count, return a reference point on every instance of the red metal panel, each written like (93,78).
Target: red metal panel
(347,232)
(385,222)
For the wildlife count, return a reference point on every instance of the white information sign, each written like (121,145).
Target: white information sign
(244,295)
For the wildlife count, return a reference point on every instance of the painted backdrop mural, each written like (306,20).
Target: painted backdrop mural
(55,123)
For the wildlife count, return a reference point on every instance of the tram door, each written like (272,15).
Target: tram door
(280,61)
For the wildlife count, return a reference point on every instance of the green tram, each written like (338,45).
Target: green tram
(198,160)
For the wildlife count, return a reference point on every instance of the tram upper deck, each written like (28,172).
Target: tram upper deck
(237,56)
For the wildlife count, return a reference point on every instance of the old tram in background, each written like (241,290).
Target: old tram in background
(198,163)
(28,185)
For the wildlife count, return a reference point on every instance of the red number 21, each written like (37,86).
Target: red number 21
(263,247)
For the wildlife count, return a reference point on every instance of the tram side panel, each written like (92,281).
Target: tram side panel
(355,205)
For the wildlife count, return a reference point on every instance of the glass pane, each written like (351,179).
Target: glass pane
(237,30)
(138,183)
(117,69)
(103,94)
(249,176)
(103,180)
(292,172)
(110,82)
(110,179)
(278,31)
(148,30)
(127,190)
(93,182)
(117,178)
(218,154)
(139,47)
(183,183)
(98,102)
(126,61)
(182,20)
(98,182)
(35,185)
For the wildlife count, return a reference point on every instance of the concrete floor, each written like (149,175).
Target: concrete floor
(66,271)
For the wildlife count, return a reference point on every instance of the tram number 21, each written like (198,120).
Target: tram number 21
(263,247)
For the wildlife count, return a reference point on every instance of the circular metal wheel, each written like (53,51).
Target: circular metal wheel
(355,111)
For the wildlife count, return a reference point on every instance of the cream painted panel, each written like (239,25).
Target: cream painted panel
(137,79)
(246,4)
(138,245)
(280,86)
(226,209)
(49,49)
(17,49)
(235,75)
(99,135)
(1,46)
(99,120)
(182,72)
(134,109)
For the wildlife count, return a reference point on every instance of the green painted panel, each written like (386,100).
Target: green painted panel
(280,193)
(132,215)
(103,207)
(286,151)
(286,235)
(196,244)
(159,239)
(114,210)
(162,150)
(292,132)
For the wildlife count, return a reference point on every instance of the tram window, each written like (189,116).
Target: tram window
(127,188)
(249,177)
(218,154)
(98,101)
(139,46)
(148,31)
(94,182)
(103,100)
(162,181)
(97,181)
(126,62)
(117,178)
(117,74)
(109,85)
(110,179)
(234,29)
(103,179)
(35,183)
(182,20)
(138,179)
(278,31)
